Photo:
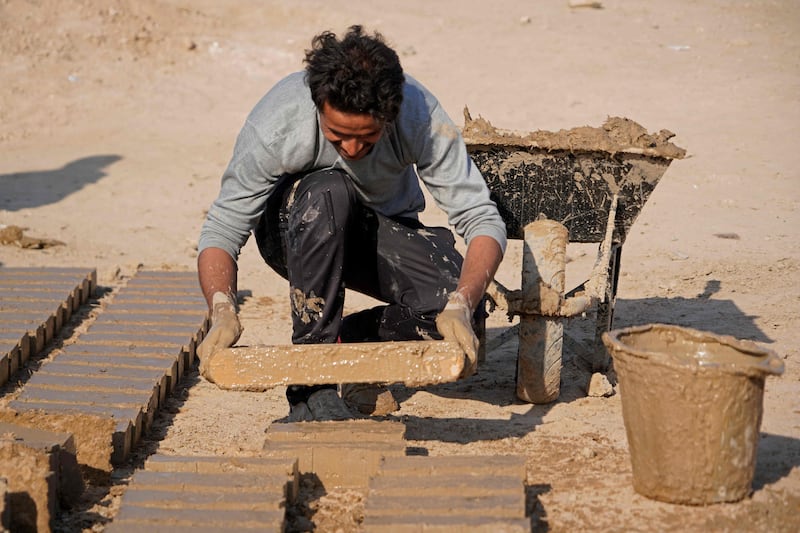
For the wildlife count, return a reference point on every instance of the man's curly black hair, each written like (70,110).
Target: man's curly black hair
(358,74)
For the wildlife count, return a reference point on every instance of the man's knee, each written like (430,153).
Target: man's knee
(323,189)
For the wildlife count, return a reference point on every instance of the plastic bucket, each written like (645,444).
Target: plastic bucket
(692,404)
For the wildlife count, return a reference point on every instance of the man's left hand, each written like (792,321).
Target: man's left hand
(455,324)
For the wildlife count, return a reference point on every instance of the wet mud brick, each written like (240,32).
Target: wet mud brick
(5,511)
(258,368)
(206,493)
(107,387)
(452,493)
(342,453)
(34,304)
(41,474)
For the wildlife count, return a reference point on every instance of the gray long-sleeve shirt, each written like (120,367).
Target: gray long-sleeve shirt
(282,136)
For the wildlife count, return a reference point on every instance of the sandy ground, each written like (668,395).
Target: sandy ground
(117,118)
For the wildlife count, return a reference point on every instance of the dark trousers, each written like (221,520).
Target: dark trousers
(318,235)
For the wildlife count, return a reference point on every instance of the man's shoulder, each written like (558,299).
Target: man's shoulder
(287,103)
(416,97)
(418,105)
(292,82)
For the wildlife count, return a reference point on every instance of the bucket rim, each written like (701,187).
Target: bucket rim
(770,364)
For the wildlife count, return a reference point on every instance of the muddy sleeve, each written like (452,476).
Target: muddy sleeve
(454,181)
(247,182)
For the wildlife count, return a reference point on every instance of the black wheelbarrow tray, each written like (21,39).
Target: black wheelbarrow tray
(583,185)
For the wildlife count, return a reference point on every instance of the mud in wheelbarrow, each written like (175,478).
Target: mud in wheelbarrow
(583,185)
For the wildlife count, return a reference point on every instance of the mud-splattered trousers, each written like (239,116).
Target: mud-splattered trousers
(327,240)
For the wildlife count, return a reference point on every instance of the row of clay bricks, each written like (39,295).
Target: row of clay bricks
(106,387)
(204,494)
(34,305)
(404,493)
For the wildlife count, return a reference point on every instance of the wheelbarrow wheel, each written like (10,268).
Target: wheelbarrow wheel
(541,335)
(539,364)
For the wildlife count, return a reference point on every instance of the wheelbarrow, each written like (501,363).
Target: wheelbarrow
(584,185)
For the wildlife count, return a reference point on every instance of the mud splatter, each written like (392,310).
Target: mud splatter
(616,135)
(306,307)
(310,214)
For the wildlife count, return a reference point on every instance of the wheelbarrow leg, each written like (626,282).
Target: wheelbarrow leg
(601,362)
(541,334)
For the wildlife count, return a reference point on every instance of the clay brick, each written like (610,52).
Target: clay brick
(192,296)
(61,447)
(16,351)
(344,431)
(486,505)
(318,447)
(31,484)
(444,524)
(169,308)
(63,366)
(251,501)
(126,317)
(223,520)
(180,357)
(166,364)
(46,273)
(119,328)
(204,464)
(143,287)
(37,393)
(131,350)
(135,339)
(129,527)
(5,511)
(484,465)
(5,366)
(257,368)
(104,435)
(160,279)
(38,469)
(228,482)
(464,486)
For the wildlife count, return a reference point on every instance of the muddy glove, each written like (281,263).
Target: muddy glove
(455,325)
(225,328)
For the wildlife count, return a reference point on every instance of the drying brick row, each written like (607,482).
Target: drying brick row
(107,386)
(34,304)
(198,494)
(420,494)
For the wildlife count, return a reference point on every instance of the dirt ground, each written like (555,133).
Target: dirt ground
(117,118)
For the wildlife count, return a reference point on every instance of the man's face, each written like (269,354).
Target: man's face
(352,134)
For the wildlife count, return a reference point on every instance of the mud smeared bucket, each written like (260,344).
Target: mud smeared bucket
(692,404)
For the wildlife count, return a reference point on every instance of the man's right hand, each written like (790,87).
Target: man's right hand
(454,324)
(225,328)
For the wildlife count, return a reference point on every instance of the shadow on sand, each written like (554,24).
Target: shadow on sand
(21,190)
